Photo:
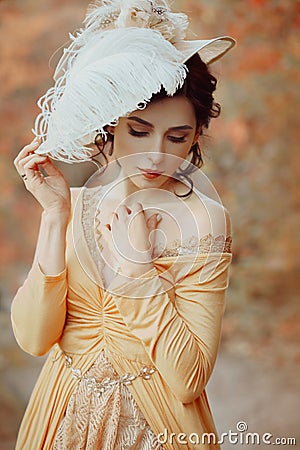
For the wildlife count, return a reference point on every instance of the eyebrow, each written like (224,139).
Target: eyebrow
(148,124)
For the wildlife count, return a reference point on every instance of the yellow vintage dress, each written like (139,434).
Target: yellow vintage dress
(122,370)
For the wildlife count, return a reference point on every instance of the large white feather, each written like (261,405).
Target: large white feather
(111,75)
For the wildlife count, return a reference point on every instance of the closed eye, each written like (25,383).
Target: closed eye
(136,133)
(178,139)
(174,139)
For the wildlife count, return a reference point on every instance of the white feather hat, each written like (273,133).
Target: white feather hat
(127,51)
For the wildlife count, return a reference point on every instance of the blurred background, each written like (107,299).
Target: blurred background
(251,156)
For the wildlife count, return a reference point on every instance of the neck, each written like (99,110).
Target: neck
(123,188)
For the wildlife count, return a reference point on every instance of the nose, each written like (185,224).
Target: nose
(156,158)
(156,154)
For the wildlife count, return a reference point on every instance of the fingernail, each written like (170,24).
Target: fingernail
(158,217)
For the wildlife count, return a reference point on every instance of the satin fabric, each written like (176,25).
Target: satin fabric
(177,332)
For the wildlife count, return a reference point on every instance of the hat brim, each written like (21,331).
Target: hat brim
(209,50)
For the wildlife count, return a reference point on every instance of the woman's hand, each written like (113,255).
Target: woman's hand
(131,238)
(51,191)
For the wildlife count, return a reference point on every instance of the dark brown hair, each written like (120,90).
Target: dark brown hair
(198,87)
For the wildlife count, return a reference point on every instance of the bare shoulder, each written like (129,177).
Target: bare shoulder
(210,215)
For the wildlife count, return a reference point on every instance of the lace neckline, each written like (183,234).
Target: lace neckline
(192,245)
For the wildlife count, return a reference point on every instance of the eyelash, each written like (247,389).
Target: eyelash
(145,133)
(137,133)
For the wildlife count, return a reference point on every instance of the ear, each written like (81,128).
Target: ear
(197,135)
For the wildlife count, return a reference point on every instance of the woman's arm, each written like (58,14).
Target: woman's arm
(181,339)
(51,244)
(39,306)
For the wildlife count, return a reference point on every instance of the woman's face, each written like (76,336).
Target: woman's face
(156,139)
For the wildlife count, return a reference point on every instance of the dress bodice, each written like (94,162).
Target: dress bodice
(193,244)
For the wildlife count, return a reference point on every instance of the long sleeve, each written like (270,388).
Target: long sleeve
(181,337)
(39,308)
(38,311)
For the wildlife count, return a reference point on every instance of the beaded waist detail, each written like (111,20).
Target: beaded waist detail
(98,387)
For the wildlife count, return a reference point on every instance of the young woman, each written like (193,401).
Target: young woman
(128,283)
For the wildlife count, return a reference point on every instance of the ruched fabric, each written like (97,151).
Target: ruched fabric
(136,323)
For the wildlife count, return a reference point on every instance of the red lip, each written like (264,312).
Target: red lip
(150,175)
(150,172)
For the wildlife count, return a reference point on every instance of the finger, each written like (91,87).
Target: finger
(30,166)
(105,230)
(153,221)
(30,171)
(124,208)
(31,157)
(138,207)
(31,163)
(28,149)
(107,220)
(122,213)
(49,167)
(105,235)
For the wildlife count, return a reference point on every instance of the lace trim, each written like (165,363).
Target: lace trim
(194,244)
(110,420)
(89,225)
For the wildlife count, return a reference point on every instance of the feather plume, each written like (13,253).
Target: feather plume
(112,74)
(105,15)
(155,14)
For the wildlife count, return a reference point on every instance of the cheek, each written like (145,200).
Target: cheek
(180,150)
(125,144)
(174,163)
